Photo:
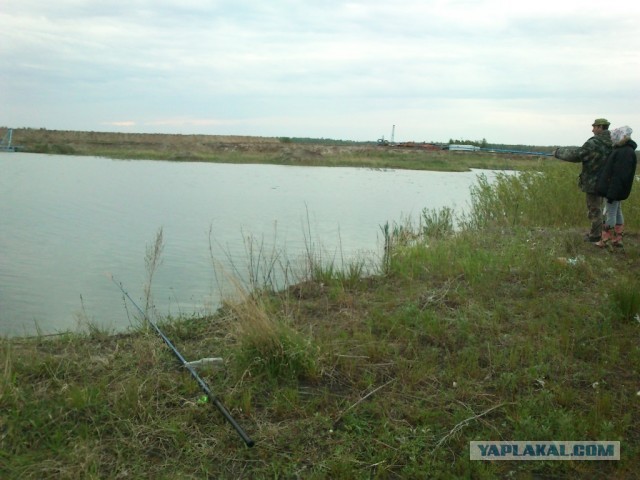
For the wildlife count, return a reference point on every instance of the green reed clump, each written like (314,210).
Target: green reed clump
(543,197)
(624,299)
(547,196)
(279,353)
(398,235)
(268,344)
(437,223)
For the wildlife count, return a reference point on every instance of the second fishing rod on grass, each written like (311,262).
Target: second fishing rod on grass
(190,367)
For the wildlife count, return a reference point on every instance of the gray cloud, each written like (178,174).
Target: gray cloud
(508,72)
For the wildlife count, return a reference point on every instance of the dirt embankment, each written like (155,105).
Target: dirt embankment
(38,140)
(171,146)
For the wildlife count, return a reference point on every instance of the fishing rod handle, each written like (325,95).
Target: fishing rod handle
(225,413)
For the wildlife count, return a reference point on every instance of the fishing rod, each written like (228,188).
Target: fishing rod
(203,385)
(519,152)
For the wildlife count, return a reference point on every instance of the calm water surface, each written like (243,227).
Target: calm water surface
(67,222)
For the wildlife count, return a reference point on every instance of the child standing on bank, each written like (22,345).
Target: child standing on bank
(615,183)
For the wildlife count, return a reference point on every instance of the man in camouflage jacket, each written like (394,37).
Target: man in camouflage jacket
(593,155)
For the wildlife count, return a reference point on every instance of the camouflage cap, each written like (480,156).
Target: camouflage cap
(600,121)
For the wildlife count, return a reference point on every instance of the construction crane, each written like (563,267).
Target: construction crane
(383,142)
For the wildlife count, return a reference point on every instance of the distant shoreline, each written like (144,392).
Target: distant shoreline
(264,150)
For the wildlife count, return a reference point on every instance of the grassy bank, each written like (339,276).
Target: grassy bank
(512,328)
(237,149)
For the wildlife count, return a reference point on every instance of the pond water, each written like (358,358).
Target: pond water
(68,222)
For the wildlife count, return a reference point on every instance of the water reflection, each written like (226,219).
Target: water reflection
(68,221)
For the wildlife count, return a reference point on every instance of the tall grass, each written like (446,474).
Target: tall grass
(545,197)
(152,260)
(271,343)
(625,300)
(268,343)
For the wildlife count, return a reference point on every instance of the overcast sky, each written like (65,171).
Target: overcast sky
(517,72)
